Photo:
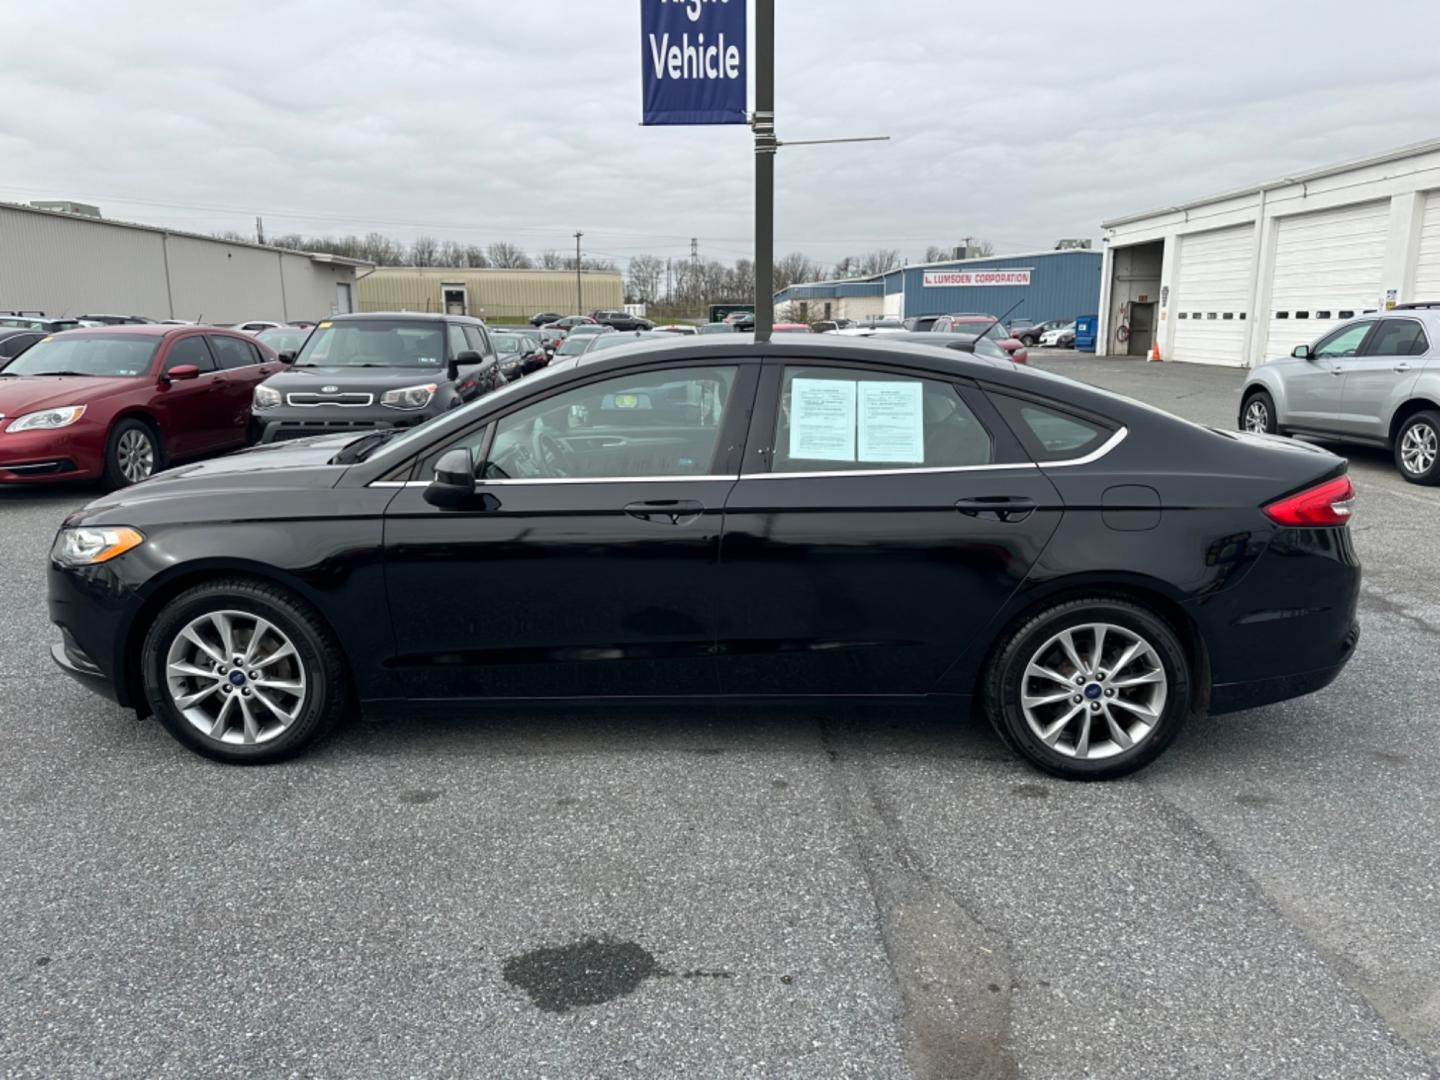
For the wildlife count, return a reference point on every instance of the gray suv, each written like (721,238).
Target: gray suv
(1374,379)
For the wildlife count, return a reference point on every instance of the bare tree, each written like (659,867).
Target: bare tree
(552,260)
(847,267)
(475,257)
(424,251)
(879,261)
(508,256)
(936,253)
(741,284)
(793,268)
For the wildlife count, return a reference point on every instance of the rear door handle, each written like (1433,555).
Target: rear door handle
(666,511)
(1002,507)
(1402,366)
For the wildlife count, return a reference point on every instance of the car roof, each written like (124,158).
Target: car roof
(402,316)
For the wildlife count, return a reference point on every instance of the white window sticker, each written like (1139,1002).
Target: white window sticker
(822,420)
(892,422)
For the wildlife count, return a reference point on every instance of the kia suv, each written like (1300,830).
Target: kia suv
(377,371)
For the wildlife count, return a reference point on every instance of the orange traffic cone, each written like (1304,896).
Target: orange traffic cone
(1155,351)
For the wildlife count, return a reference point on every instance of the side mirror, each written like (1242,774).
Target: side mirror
(454,483)
(287,357)
(1301,352)
(182,372)
(468,357)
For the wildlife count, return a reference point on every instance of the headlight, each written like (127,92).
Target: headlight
(265,398)
(88,546)
(47,419)
(411,397)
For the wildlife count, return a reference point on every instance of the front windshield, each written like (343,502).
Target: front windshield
(717,328)
(282,340)
(374,343)
(507,343)
(105,355)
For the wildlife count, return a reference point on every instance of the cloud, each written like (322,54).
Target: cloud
(1020,124)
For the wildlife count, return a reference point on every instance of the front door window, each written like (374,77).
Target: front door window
(1343,343)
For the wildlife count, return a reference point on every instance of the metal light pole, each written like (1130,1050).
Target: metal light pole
(763,123)
(579,299)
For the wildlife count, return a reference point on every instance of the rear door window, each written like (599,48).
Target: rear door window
(234,353)
(455,338)
(1398,337)
(852,419)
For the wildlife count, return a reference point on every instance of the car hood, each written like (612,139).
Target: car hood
(30,393)
(310,379)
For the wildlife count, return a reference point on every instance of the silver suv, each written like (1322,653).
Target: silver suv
(1374,379)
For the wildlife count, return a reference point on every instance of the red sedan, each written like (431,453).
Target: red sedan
(122,402)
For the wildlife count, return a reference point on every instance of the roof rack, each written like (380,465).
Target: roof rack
(1417,304)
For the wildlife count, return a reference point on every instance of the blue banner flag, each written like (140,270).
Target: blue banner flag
(693,56)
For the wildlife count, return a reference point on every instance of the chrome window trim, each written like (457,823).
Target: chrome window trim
(890,472)
(1095,455)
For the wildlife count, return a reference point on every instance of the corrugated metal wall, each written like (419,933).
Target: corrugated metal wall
(1062,286)
(69,265)
(492,294)
(61,264)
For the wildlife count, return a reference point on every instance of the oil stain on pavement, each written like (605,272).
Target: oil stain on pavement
(590,971)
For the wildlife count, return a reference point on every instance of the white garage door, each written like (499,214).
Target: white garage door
(1328,267)
(1427,269)
(1211,302)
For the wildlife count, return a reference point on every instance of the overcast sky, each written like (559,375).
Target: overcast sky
(502,120)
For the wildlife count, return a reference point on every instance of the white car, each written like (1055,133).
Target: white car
(1052,339)
(872,328)
(256,325)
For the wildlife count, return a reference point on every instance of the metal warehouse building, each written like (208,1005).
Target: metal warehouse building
(488,294)
(1247,275)
(1040,286)
(66,264)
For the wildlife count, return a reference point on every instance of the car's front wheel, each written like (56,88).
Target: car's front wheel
(1257,415)
(243,672)
(1417,450)
(1089,689)
(133,453)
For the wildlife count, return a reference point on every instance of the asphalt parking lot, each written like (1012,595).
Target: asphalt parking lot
(859,893)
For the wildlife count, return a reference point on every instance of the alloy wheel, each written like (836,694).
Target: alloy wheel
(235,677)
(1093,691)
(1418,448)
(135,453)
(1257,417)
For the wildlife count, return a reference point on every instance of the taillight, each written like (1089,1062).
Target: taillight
(1324,504)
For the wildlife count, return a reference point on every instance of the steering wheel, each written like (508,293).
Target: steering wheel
(553,456)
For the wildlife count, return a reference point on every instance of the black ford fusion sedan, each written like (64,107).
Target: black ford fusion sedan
(717,517)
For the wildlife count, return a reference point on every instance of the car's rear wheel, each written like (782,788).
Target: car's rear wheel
(243,672)
(1417,450)
(1257,414)
(133,453)
(1089,689)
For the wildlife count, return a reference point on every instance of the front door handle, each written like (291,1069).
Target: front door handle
(666,511)
(1003,507)
(1402,366)
(1337,370)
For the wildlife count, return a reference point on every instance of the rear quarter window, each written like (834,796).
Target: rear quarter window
(1050,433)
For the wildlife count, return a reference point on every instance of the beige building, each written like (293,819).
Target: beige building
(499,295)
(69,264)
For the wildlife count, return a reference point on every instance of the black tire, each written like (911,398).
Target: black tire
(328,695)
(1259,402)
(124,434)
(1006,675)
(1417,438)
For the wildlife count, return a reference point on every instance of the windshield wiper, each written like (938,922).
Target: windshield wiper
(81,373)
(361,448)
